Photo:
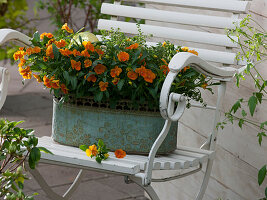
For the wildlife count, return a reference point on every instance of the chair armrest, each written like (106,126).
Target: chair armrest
(167,101)
(13,35)
(4,85)
(181,60)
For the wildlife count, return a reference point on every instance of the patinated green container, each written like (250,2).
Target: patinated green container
(132,131)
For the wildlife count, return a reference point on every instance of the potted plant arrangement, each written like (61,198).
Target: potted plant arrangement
(107,89)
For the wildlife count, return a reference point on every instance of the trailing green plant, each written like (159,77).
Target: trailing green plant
(251,37)
(17,145)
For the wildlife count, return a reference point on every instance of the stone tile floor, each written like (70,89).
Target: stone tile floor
(31,103)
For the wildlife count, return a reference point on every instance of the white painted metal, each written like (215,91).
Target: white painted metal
(74,156)
(168,16)
(226,5)
(213,138)
(13,35)
(3,85)
(171,33)
(178,62)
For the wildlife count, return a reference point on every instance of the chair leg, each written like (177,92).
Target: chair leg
(205,180)
(47,189)
(149,190)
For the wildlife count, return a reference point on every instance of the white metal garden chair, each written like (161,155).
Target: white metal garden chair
(139,168)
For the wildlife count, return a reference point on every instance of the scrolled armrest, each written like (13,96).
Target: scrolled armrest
(7,35)
(180,61)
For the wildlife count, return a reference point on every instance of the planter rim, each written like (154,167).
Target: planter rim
(103,107)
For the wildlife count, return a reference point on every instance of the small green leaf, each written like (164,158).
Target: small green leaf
(83,147)
(120,84)
(244,114)
(36,37)
(236,106)
(240,123)
(35,154)
(98,97)
(45,150)
(252,102)
(98,159)
(260,135)
(266,192)
(100,143)
(262,174)
(55,51)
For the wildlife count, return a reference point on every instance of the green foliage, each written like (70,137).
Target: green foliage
(13,16)
(62,11)
(252,41)
(16,144)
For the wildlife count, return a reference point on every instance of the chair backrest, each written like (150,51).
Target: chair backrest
(206,28)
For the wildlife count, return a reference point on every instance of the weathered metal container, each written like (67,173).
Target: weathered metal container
(132,131)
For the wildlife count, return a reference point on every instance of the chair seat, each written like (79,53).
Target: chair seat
(182,158)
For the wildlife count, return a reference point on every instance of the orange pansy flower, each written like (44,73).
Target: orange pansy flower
(90,78)
(92,151)
(132,75)
(115,80)
(47,82)
(21,48)
(87,63)
(88,46)
(100,69)
(65,27)
(133,46)
(76,65)
(123,56)
(193,52)
(55,84)
(185,49)
(65,52)
(49,51)
(38,78)
(85,53)
(119,153)
(29,51)
(99,51)
(149,76)
(204,85)
(76,53)
(103,86)
(18,55)
(186,68)
(141,71)
(115,72)
(61,43)
(165,69)
(49,35)
(45,59)
(26,73)
(36,50)
(22,62)
(64,89)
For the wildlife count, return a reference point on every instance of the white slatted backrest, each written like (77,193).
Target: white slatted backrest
(196,35)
